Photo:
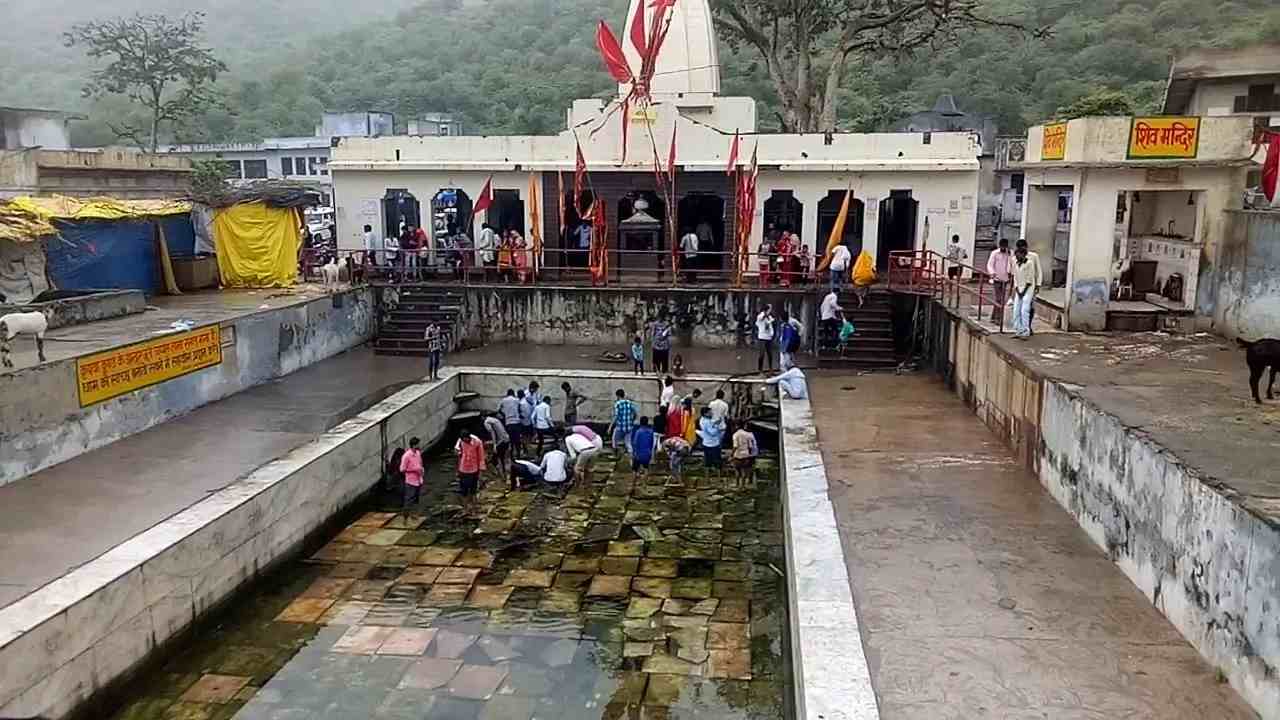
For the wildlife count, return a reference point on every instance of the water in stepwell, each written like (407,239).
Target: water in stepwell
(627,598)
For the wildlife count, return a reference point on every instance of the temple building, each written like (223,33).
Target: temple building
(909,190)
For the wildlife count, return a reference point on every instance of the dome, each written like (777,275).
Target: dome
(689,61)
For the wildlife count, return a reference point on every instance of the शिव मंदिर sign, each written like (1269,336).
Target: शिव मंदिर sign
(1054,144)
(108,374)
(1161,138)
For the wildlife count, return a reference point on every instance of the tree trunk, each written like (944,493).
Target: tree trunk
(831,97)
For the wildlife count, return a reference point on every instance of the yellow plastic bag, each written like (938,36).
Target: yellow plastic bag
(864,271)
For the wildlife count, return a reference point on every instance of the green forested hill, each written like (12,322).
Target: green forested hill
(514,65)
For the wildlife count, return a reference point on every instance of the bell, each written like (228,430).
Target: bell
(946,106)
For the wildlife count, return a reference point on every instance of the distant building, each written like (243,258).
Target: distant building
(356,124)
(35,128)
(1226,82)
(435,124)
(296,158)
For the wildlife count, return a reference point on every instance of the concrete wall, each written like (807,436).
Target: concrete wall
(101,305)
(1207,564)
(1241,288)
(608,317)
(1106,140)
(43,424)
(75,636)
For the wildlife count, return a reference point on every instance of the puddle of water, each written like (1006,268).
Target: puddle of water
(625,599)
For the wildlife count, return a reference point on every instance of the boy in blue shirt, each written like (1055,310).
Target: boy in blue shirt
(644,445)
(637,354)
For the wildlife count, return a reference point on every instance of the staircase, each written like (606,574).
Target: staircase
(403,323)
(873,346)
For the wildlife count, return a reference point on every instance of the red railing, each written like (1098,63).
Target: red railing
(954,284)
(569,267)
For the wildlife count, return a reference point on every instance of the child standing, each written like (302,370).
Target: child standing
(411,466)
(637,355)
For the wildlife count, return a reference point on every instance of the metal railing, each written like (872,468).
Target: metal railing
(641,268)
(952,283)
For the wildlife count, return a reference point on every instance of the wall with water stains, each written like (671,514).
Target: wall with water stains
(43,424)
(606,316)
(1211,567)
(1242,289)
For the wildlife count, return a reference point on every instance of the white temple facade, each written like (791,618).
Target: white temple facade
(909,190)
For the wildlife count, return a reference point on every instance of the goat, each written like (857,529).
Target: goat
(1260,356)
(332,272)
(14,324)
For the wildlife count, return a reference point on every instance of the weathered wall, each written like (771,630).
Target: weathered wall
(1243,294)
(1207,564)
(101,305)
(73,637)
(42,423)
(585,316)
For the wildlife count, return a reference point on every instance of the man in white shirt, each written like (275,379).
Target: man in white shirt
(371,246)
(689,252)
(525,474)
(1026,283)
(791,383)
(764,336)
(554,468)
(719,408)
(582,451)
(840,259)
(829,312)
(668,392)
(486,243)
(542,423)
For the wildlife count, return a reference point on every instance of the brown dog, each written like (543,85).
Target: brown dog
(1261,355)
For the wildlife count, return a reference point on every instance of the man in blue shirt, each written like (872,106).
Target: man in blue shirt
(644,445)
(624,420)
(711,431)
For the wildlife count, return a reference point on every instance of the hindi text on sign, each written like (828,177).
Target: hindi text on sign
(109,374)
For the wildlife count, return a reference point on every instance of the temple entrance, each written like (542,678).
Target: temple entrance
(399,209)
(450,215)
(576,240)
(507,211)
(703,214)
(899,214)
(829,212)
(782,211)
(641,242)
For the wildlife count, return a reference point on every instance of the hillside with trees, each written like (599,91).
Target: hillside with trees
(513,66)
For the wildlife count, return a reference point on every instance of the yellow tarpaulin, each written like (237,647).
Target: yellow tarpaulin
(67,208)
(257,245)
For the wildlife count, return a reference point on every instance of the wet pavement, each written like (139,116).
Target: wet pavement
(197,307)
(978,596)
(66,515)
(1188,393)
(625,599)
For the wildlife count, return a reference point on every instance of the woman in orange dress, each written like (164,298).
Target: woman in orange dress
(504,258)
(786,258)
(521,253)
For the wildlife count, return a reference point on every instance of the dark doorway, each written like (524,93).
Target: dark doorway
(829,211)
(450,214)
(399,208)
(507,212)
(575,256)
(783,211)
(898,216)
(703,213)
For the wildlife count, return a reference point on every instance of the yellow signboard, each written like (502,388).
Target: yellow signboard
(644,116)
(1159,138)
(1054,145)
(111,373)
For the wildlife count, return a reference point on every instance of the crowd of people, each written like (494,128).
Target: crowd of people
(523,445)
(411,255)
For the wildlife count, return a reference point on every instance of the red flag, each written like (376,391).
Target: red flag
(485,199)
(579,180)
(733,154)
(639,38)
(1271,168)
(611,51)
(671,158)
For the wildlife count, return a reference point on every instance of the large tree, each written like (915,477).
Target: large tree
(807,44)
(158,63)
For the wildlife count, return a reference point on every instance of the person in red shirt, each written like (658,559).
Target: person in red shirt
(471,463)
(411,466)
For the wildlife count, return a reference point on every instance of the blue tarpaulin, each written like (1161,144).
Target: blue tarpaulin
(179,235)
(103,255)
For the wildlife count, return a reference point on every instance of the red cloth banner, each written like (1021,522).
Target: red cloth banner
(733,153)
(1271,168)
(639,38)
(611,51)
(485,200)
